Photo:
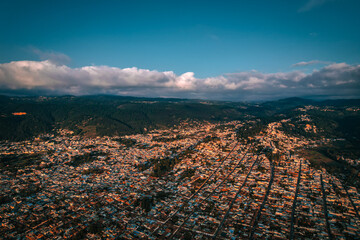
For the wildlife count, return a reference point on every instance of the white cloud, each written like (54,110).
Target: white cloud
(46,77)
(308,63)
(337,66)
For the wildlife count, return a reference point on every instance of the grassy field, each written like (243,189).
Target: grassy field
(340,169)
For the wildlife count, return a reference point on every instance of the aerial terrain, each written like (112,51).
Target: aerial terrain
(180,119)
(98,167)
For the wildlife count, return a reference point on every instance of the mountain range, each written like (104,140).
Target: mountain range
(24,118)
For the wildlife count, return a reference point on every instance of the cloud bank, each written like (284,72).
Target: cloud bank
(48,78)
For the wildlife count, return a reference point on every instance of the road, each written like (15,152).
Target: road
(294,204)
(258,213)
(233,200)
(209,195)
(197,191)
(351,201)
(325,209)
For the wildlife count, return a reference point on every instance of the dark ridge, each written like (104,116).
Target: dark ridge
(107,115)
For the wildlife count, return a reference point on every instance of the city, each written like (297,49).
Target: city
(221,187)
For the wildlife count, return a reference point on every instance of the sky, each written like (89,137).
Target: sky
(220,50)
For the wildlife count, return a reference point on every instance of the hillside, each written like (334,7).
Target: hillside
(25,117)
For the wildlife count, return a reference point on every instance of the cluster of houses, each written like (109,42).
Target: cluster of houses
(218,184)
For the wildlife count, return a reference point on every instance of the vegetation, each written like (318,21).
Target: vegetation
(339,150)
(188,173)
(126,141)
(168,139)
(14,162)
(93,171)
(341,169)
(102,115)
(165,165)
(116,116)
(85,158)
(251,129)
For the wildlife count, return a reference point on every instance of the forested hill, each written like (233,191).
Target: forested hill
(103,115)
(25,117)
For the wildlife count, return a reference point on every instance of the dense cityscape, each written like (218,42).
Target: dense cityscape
(196,180)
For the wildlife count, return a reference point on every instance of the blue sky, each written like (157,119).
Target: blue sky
(208,38)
